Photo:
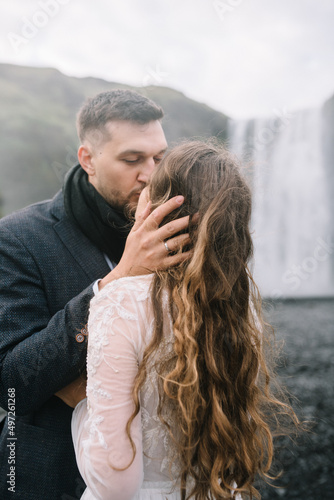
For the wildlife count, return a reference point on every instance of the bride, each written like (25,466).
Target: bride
(178,400)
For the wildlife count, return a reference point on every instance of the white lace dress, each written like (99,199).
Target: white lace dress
(120,327)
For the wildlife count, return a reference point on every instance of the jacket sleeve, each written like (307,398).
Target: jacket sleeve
(39,353)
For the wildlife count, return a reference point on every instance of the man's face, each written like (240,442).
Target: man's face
(122,166)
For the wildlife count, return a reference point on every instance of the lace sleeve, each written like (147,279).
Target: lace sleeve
(116,325)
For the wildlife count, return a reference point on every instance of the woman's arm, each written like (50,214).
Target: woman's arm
(99,430)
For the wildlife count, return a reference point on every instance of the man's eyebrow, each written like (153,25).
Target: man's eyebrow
(137,152)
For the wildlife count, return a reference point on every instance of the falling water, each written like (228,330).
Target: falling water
(291,213)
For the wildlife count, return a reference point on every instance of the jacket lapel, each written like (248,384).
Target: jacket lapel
(89,257)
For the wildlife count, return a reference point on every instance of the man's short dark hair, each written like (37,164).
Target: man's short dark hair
(115,105)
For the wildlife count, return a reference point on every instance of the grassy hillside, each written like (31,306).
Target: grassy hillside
(38,142)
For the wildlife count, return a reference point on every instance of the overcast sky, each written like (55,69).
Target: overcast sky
(243,57)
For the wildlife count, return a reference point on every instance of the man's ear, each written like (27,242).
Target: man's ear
(85,159)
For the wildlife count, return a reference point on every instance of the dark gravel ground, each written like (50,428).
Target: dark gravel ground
(307,371)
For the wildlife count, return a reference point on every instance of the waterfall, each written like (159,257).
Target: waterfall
(291,202)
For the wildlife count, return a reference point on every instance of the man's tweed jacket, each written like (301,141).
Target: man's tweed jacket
(47,268)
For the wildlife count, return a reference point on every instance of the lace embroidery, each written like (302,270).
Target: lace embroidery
(92,427)
(158,446)
(107,306)
(97,391)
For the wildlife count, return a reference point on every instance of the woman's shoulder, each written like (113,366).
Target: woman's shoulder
(122,306)
(134,287)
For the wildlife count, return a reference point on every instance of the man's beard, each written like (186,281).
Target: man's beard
(120,203)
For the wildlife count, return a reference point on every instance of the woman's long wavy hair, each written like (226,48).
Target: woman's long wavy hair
(216,379)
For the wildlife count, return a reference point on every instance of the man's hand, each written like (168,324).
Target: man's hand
(145,251)
(74,392)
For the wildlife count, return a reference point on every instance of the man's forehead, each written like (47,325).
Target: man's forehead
(122,126)
(140,151)
(137,138)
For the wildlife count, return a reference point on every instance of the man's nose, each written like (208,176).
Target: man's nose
(146,170)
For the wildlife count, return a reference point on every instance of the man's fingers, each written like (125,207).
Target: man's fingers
(173,227)
(195,218)
(160,213)
(142,217)
(174,244)
(174,260)
(146,212)
(154,219)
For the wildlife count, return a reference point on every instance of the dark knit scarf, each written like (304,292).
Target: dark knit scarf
(105,226)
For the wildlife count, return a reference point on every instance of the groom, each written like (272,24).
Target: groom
(54,256)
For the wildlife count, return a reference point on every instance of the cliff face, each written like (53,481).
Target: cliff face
(38,139)
(328,162)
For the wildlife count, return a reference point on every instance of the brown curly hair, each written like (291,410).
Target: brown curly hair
(217,377)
